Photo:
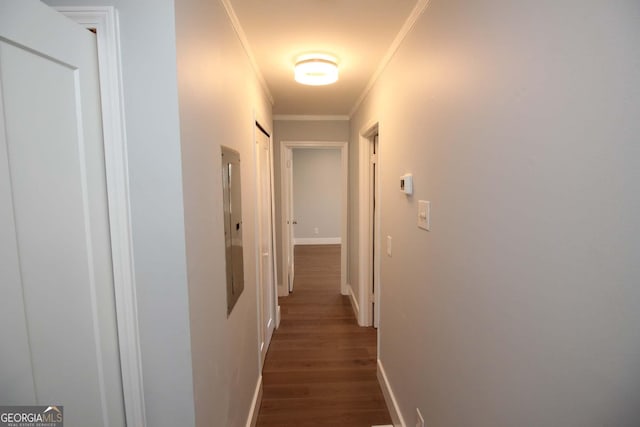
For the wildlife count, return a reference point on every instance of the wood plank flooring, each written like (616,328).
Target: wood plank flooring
(321,366)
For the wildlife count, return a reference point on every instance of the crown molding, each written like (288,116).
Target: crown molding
(418,9)
(235,23)
(309,118)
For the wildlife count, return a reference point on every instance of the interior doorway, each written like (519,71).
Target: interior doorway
(289,220)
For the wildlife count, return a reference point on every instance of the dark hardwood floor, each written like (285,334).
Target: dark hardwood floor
(321,366)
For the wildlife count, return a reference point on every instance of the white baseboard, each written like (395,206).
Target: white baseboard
(282,290)
(252,419)
(354,302)
(389,397)
(317,241)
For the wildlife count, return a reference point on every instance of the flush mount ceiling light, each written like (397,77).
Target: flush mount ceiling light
(316,70)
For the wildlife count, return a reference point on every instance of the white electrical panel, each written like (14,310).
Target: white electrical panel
(406,184)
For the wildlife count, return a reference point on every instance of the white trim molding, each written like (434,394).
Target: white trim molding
(282,291)
(252,418)
(354,303)
(105,21)
(309,118)
(264,334)
(235,23)
(366,246)
(419,8)
(389,397)
(317,241)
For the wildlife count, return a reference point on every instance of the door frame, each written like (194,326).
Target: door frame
(366,245)
(105,21)
(262,349)
(286,149)
(286,162)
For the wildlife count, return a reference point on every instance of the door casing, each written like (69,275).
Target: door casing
(105,21)
(265,333)
(367,270)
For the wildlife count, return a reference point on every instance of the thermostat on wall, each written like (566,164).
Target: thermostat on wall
(406,184)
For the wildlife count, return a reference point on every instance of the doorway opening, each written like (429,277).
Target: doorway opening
(298,232)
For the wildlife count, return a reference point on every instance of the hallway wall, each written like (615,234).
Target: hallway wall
(317,193)
(218,95)
(519,122)
(298,130)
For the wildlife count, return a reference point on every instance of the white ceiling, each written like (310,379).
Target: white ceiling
(358,32)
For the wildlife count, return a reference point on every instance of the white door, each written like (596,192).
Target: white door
(265,240)
(291,222)
(57,311)
(374,230)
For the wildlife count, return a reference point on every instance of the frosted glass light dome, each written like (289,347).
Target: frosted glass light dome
(316,70)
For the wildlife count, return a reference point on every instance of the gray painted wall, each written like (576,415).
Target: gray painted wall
(519,121)
(219,94)
(153,143)
(299,130)
(317,192)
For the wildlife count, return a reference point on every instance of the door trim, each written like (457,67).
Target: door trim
(366,246)
(285,147)
(258,126)
(105,21)
(286,206)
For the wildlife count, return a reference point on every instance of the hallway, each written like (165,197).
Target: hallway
(321,367)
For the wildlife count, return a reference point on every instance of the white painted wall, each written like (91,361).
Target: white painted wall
(153,143)
(519,121)
(218,93)
(299,130)
(317,193)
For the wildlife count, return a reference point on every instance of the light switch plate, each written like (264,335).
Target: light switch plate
(389,245)
(424,215)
